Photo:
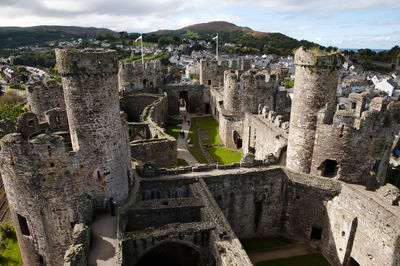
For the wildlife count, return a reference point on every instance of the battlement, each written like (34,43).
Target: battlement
(88,62)
(137,65)
(250,75)
(318,58)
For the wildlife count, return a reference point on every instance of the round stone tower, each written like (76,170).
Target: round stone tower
(46,195)
(314,89)
(90,85)
(232,99)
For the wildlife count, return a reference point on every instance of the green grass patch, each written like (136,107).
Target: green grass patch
(263,243)
(224,155)
(305,260)
(194,138)
(172,127)
(182,162)
(10,254)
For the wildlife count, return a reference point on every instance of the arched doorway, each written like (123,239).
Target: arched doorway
(237,139)
(183,100)
(171,253)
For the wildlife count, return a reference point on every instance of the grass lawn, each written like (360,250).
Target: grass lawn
(172,127)
(262,243)
(11,255)
(224,155)
(182,162)
(305,260)
(195,123)
(219,154)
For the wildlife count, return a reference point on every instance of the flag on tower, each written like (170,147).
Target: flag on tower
(138,38)
(216,37)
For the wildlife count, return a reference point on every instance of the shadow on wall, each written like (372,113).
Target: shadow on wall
(171,253)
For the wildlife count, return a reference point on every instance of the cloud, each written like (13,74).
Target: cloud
(324,6)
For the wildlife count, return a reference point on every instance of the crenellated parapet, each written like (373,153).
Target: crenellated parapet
(46,187)
(356,148)
(135,76)
(45,96)
(212,71)
(246,91)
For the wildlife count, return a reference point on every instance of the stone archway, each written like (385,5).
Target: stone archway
(171,253)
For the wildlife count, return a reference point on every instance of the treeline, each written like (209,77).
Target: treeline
(41,59)
(383,61)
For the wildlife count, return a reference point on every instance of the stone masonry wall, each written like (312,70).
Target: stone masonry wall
(46,190)
(263,138)
(45,96)
(315,88)
(133,76)
(92,103)
(252,202)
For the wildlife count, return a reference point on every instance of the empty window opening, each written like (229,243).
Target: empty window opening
(98,175)
(144,82)
(31,123)
(341,131)
(151,84)
(51,164)
(23,225)
(316,233)
(237,139)
(209,82)
(353,105)
(207,108)
(329,168)
(49,150)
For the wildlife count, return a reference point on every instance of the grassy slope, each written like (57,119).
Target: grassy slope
(11,255)
(219,154)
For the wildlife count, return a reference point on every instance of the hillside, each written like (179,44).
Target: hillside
(231,33)
(11,37)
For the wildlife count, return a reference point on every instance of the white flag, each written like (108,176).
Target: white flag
(138,38)
(216,37)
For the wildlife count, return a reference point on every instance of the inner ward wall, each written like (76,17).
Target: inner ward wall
(252,202)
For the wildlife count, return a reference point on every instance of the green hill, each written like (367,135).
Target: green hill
(12,37)
(230,33)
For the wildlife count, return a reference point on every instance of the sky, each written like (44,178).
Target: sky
(371,24)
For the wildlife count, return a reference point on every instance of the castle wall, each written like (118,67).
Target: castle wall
(315,88)
(150,151)
(155,115)
(195,100)
(92,101)
(231,129)
(252,202)
(364,227)
(263,138)
(212,71)
(133,105)
(248,91)
(46,190)
(42,97)
(132,76)
(362,153)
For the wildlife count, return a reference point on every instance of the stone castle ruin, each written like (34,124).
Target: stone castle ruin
(311,172)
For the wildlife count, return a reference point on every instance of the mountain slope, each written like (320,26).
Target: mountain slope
(11,37)
(231,33)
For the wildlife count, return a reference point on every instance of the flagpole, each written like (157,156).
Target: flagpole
(141,43)
(217,46)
